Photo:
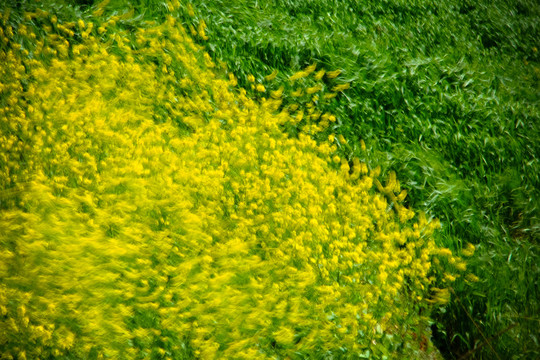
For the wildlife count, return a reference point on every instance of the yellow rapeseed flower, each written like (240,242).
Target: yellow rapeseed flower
(468,250)
(341,87)
(298,75)
(271,76)
(319,75)
(333,74)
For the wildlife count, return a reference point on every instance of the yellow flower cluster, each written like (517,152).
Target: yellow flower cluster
(150,209)
(305,98)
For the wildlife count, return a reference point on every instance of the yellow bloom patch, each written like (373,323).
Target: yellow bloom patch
(149,206)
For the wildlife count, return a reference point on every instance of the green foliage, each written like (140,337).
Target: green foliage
(446,94)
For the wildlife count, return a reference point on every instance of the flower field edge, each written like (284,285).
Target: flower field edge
(150,208)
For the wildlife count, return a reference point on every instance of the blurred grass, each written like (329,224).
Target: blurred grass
(444,93)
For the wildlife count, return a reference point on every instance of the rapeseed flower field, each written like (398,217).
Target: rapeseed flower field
(152,208)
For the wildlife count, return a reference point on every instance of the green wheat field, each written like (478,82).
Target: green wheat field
(277,179)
